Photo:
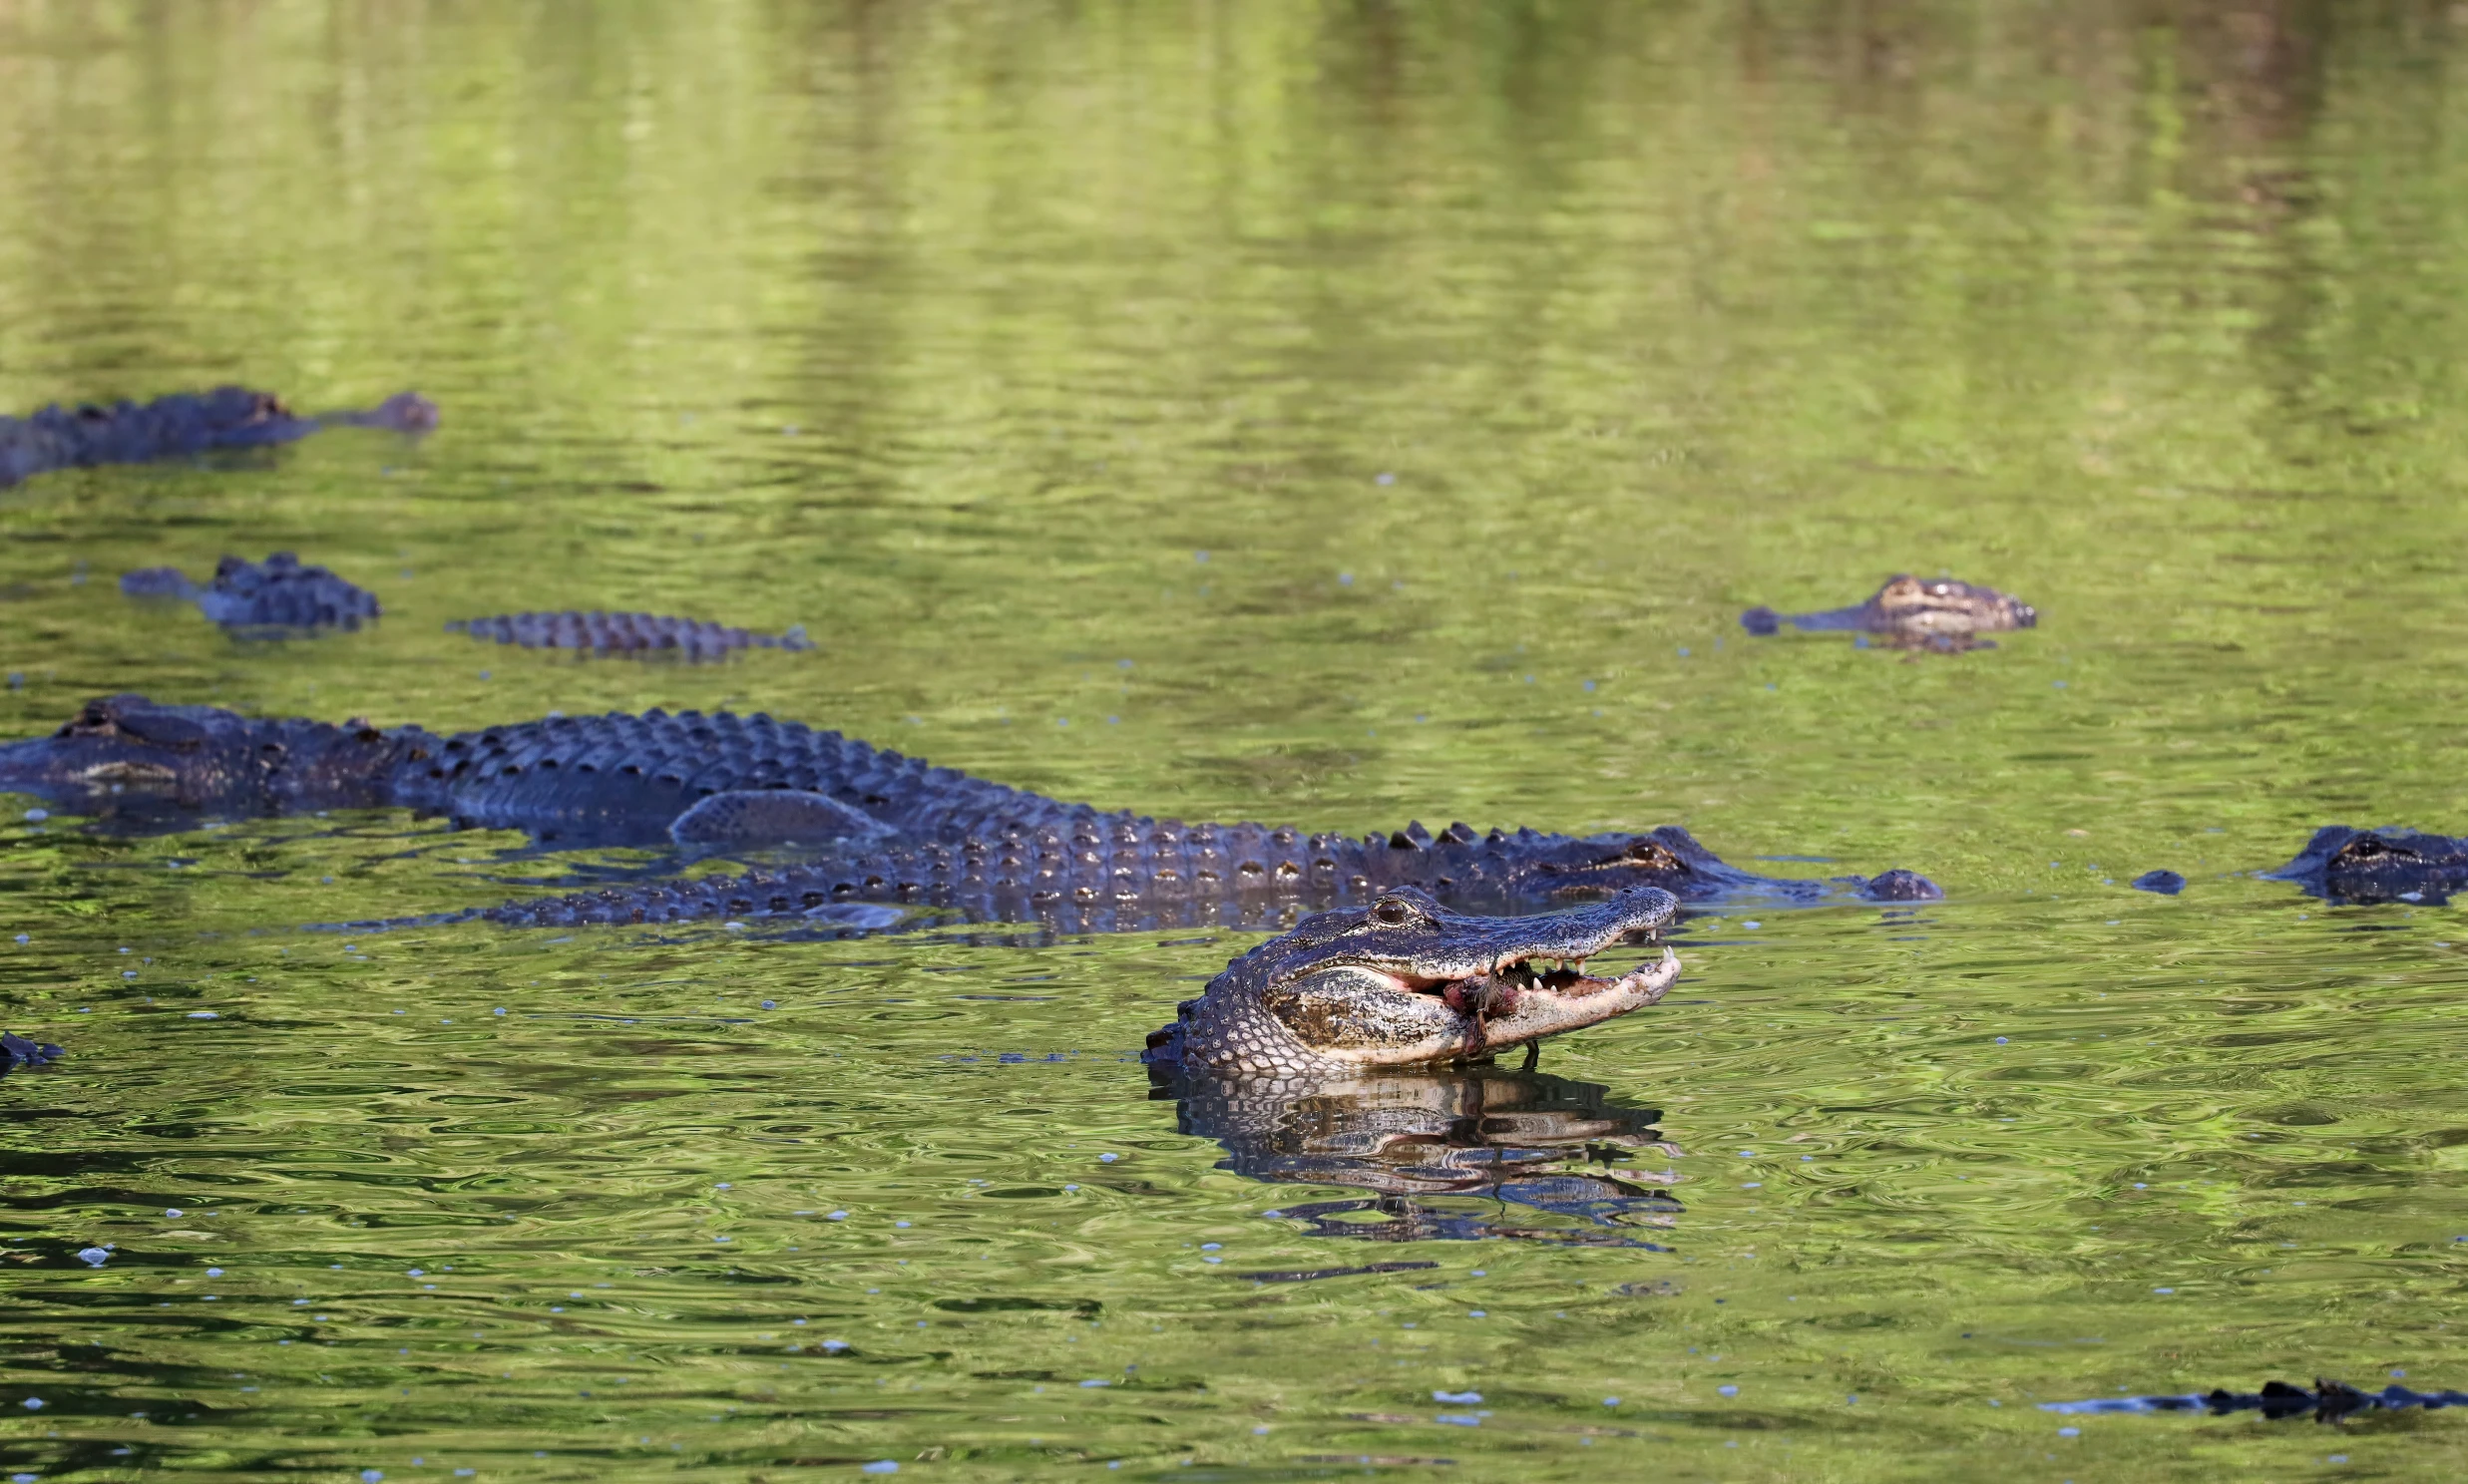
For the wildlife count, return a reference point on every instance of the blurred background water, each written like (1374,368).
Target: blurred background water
(1335,412)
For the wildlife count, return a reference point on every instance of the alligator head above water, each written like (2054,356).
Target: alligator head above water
(1913,613)
(128,755)
(1403,982)
(228,417)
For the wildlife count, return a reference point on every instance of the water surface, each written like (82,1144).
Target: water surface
(1330,413)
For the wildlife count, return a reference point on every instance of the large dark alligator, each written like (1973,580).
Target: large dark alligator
(275,595)
(181,424)
(1403,982)
(635,635)
(2344,865)
(2277,1402)
(886,829)
(1440,1150)
(1913,613)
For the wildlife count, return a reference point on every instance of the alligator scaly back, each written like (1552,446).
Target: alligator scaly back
(897,831)
(635,634)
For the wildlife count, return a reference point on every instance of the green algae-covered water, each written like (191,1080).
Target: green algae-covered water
(1336,413)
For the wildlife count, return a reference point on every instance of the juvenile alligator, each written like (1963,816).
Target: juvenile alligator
(2344,865)
(627,633)
(1412,1137)
(890,829)
(1403,982)
(179,425)
(276,593)
(1913,613)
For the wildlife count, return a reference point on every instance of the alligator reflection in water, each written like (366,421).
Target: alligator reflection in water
(1451,1154)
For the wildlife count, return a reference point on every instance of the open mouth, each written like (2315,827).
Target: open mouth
(1522,984)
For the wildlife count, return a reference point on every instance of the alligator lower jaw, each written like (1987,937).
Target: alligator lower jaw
(1571,1001)
(148,775)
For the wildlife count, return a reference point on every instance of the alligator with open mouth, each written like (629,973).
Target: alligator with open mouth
(1403,982)
(872,825)
(179,426)
(1913,613)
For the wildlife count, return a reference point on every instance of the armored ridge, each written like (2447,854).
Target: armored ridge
(636,634)
(2277,1402)
(628,780)
(1112,872)
(276,593)
(179,426)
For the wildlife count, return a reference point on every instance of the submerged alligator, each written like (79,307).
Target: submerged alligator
(1913,613)
(627,633)
(882,828)
(1403,982)
(17,1051)
(181,424)
(276,593)
(2277,1402)
(1440,1150)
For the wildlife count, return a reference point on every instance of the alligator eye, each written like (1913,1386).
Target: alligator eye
(1389,911)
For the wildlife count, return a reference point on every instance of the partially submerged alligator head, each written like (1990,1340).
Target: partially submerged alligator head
(1402,981)
(2345,865)
(179,425)
(1913,613)
(126,750)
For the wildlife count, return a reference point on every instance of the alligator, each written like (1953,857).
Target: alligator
(1422,1141)
(2277,1402)
(2344,865)
(274,595)
(876,827)
(627,633)
(181,424)
(17,1051)
(1403,982)
(1913,613)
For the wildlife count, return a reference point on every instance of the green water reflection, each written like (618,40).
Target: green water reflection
(1339,413)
